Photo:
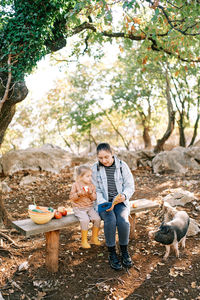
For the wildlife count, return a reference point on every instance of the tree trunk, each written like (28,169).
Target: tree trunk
(17,94)
(171,119)
(147,138)
(196,123)
(181,131)
(4,219)
(195,130)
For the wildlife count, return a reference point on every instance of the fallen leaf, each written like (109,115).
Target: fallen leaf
(193,285)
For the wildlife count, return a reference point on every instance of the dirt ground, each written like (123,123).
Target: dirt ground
(85,274)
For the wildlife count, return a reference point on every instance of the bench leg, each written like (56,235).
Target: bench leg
(52,248)
(132,221)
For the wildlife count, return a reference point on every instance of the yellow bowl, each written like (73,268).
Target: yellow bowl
(41,217)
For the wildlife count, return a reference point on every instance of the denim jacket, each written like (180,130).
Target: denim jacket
(123,179)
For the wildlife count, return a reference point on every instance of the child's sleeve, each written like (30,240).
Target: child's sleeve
(73,195)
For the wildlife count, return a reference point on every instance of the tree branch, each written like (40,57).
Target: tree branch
(170,22)
(141,37)
(5,97)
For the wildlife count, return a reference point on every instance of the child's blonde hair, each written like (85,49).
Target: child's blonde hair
(81,170)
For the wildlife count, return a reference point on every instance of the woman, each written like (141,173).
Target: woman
(112,178)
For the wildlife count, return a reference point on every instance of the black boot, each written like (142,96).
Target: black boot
(126,259)
(113,259)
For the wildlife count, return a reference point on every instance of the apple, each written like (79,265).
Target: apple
(57,215)
(86,188)
(62,210)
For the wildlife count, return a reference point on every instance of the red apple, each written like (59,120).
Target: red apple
(63,210)
(57,215)
(86,188)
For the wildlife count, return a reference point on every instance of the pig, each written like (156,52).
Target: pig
(172,233)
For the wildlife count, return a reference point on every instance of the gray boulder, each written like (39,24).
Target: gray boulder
(177,160)
(47,158)
(130,157)
(134,159)
(5,188)
(179,197)
(197,144)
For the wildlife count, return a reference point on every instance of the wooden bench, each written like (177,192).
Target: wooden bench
(52,229)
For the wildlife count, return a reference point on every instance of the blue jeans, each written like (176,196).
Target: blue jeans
(116,219)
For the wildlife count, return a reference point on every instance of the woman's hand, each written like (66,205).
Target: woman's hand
(118,199)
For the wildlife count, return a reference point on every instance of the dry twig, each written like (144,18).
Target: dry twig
(14,284)
(9,239)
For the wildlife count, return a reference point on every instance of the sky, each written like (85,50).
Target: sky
(47,73)
(44,78)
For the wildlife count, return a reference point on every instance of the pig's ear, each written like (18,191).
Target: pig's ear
(162,225)
(166,229)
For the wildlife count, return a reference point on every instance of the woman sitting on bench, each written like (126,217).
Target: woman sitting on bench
(114,183)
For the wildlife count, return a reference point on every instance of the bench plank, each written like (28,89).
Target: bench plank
(142,205)
(52,229)
(27,227)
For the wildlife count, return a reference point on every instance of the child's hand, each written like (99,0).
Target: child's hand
(90,190)
(81,193)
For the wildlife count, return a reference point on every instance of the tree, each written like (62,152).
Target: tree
(29,30)
(171,118)
(133,90)
(184,93)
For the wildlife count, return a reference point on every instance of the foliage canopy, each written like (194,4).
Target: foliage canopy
(31,29)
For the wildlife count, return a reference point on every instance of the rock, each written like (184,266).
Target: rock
(197,144)
(5,188)
(130,157)
(28,180)
(193,228)
(145,158)
(134,159)
(193,153)
(177,160)
(189,183)
(23,267)
(83,160)
(46,158)
(179,197)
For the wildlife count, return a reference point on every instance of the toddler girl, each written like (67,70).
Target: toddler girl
(83,195)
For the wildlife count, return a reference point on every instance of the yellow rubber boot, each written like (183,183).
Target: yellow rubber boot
(84,241)
(94,240)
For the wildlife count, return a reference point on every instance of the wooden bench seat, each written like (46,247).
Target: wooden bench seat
(52,229)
